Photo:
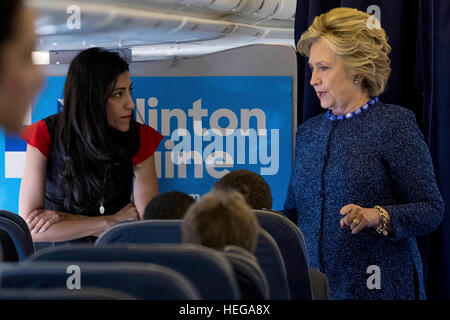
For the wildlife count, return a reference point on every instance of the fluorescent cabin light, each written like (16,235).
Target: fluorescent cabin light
(40,57)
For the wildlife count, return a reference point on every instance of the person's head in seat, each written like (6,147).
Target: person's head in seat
(220,219)
(252,185)
(168,205)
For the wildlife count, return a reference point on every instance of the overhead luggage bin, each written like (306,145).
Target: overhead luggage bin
(207,25)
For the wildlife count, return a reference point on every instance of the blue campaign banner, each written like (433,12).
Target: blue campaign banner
(13,149)
(211,125)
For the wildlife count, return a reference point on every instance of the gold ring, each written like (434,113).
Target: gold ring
(355,221)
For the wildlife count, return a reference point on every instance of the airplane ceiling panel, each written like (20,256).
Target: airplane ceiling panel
(146,26)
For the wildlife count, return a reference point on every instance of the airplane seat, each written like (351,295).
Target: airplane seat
(304,283)
(319,284)
(271,262)
(292,245)
(144,281)
(144,232)
(18,231)
(249,275)
(205,267)
(169,231)
(91,293)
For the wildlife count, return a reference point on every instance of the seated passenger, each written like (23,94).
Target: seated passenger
(168,205)
(253,186)
(221,219)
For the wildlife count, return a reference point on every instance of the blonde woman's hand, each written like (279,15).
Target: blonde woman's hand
(358,218)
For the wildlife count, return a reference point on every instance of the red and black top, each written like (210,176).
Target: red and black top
(118,186)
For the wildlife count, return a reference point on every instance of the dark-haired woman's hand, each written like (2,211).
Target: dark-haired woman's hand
(129,212)
(40,220)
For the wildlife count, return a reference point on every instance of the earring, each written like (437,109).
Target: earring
(356,80)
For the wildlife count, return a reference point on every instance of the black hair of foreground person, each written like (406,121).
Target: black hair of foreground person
(8,13)
(20,79)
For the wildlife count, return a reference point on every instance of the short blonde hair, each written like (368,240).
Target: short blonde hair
(364,51)
(220,219)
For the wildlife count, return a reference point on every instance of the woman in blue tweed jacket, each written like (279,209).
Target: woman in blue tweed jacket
(363,185)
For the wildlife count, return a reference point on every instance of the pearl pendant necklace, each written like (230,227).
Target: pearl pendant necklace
(331,116)
(102,208)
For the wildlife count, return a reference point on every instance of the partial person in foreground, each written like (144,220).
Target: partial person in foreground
(362,185)
(20,80)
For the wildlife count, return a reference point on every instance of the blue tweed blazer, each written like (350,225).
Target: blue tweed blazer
(378,157)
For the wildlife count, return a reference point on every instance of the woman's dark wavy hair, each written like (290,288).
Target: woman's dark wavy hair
(83,138)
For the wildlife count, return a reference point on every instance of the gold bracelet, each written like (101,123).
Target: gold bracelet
(382,227)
